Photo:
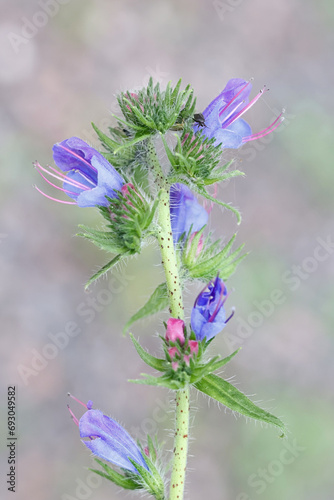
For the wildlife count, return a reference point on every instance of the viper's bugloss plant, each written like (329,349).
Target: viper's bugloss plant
(141,202)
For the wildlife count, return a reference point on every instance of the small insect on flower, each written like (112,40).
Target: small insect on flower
(222,117)
(199,119)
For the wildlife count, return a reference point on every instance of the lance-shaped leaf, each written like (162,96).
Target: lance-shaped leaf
(104,270)
(164,381)
(122,481)
(206,195)
(214,364)
(156,363)
(103,239)
(225,393)
(156,303)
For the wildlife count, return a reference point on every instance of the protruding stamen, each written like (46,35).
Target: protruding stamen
(80,402)
(267,130)
(230,316)
(246,108)
(55,199)
(75,420)
(55,185)
(233,110)
(63,178)
(234,98)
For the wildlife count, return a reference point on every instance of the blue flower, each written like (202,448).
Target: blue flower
(88,176)
(223,116)
(185,212)
(208,315)
(109,441)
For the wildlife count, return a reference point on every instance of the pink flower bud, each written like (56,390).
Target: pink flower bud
(172,351)
(175,331)
(193,344)
(175,365)
(187,359)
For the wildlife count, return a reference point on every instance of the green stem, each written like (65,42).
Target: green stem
(180,445)
(169,261)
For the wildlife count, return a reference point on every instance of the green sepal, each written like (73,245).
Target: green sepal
(151,480)
(214,364)
(122,481)
(163,381)
(151,448)
(106,141)
(130,217)
(156,303)
(153,110)
(104,270)
(102,239)
(132,142)
(225,393)
(156,363)
(210,260)
(222,178)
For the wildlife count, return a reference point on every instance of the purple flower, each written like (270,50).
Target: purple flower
(208,315)
(223,116)
(108,440)
(185,212)
(88,176)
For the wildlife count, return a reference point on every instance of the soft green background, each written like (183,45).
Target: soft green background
(62,78)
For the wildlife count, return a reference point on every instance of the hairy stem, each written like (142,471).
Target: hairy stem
(169,261)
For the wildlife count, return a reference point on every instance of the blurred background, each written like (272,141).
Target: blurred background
(61,64)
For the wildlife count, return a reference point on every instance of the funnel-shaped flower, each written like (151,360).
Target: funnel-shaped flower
(88,177)
(223,116)
(185,211)
(208,314)
(108,439)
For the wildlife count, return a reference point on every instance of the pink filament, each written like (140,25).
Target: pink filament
(55,186)
(75,420)
(234,98)
(246,108)
(266,131)
(63,177)
(55,199)
(78,156)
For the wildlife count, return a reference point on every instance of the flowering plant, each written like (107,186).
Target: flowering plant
(167,210)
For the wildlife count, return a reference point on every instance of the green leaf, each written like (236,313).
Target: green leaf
(225,393)
(102,239)
(103,270)
(156,363)
(115,477)
(156,303)
(129,143)
(164,381)
(107,142)
(213,365)
(206,195)
(219,261)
